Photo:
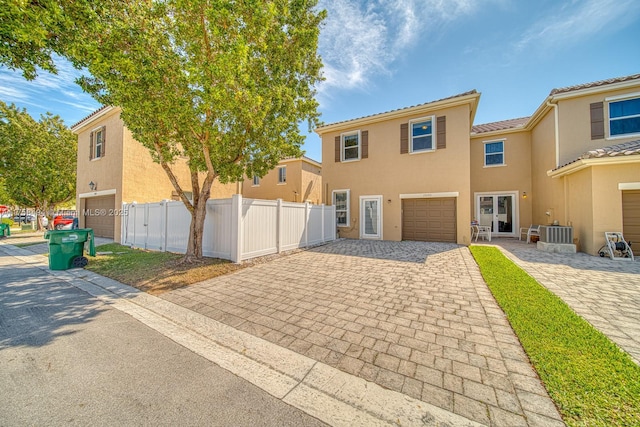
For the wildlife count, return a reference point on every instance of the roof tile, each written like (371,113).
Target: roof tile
(501,125)
(594,84)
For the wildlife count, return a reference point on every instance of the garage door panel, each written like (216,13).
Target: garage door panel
(432,220)
(631,215)
(99,215)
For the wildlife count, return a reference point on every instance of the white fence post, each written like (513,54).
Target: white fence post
(279,227)
(322,222)
(236,228)
(307,211)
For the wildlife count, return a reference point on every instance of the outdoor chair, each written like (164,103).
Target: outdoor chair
(533,230)
(481,231)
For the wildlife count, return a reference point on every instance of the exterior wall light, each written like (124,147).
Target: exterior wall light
(92,185)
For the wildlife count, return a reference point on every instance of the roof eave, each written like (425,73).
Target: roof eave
(86,122)
(554,98)
(418,109)
(585,163)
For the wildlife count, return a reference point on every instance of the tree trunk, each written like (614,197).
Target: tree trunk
(198,214)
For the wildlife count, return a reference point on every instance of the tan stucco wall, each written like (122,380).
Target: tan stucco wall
(515,175)
(595,201)
(547,195)
(311,184)
(387,173)
(304,183)
(106,172)
(575,124)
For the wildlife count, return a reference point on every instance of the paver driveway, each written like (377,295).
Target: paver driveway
(413,317)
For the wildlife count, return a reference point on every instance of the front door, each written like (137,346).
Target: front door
(497,211)
(370,217)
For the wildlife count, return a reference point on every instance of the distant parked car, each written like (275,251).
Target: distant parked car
(64,222)
(24,218)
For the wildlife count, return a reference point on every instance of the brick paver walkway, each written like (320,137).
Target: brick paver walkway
(413,317)
(605,292)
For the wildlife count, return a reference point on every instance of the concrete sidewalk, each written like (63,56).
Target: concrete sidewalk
(320,390)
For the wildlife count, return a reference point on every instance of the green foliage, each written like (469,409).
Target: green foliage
(223,84)
(591,380)
(7,221)
(38,158)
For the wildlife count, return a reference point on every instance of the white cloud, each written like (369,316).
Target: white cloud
(577,21)
(361,39)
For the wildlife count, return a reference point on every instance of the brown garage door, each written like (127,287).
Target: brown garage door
(99,215)
(631,217)
(429,220)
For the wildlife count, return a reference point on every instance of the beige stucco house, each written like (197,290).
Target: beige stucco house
(404,174)
(113,168)
(293,180)
(576,161)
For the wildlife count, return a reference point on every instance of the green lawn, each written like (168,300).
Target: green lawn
(591,380)
(154,272)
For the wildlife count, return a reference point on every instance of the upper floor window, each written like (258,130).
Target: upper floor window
(282,175)
(341,202)
(350,146)
(256,181)
(494,153)
(421,135)
(97,143)
(624,117)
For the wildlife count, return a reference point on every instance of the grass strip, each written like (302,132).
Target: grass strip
(154,272)
(590,379)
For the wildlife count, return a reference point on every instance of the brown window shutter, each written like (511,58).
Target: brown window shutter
(404,138)
(441,132)
(104,140)
(91,146)
(597,120)
(364,153)
(338,148)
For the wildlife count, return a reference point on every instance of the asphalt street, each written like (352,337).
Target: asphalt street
(68,358)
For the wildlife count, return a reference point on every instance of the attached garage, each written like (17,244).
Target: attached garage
(429,220)
(631,215)
(99,215)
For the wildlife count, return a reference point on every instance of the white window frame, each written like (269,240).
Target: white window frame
(94,143)
(620,98)
(282,176)
(256,181)
(433,135)
(348,210)
(493,141)
(343,148)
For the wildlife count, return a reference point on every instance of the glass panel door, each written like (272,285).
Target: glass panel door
(370,217)
(498,212)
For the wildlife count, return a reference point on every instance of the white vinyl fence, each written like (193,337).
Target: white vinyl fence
(234,229)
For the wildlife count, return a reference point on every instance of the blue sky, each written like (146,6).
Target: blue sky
(386,54)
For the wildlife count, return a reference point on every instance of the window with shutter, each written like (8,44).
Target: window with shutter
(421,135)
(350,146)
(97,143)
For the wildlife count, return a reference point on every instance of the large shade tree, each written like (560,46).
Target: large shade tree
(37,159)
(223,84)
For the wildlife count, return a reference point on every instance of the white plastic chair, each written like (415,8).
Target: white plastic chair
(534,230)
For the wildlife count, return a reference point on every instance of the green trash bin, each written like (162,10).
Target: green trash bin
(5,230)
(66,248)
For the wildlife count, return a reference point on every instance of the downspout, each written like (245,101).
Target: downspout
(557,131)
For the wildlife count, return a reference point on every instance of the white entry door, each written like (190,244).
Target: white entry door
(370,217)
(498,211)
